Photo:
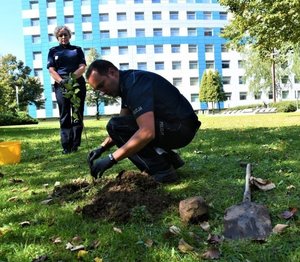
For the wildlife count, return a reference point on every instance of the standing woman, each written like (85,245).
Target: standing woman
(63,60)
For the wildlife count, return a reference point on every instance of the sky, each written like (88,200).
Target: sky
(11,31)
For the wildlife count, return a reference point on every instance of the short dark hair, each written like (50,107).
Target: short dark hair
(101,66)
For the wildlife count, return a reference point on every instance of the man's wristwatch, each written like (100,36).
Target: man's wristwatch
(111,157)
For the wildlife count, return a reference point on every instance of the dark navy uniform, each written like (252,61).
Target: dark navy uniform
(66,59)
(175,121)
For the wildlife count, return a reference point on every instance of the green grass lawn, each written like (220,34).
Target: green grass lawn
(212,170)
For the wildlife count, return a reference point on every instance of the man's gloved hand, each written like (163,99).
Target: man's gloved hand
(94,154)
(101,165)
(63,82)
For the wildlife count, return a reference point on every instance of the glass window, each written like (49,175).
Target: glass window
(225,64)
(105,50)
(193,64)
(104,34)
(193,48)
(158,49)
(243,95)
(54,105)
(175,48)
(122,33)
(51,38)
(34,5)
(142,66)
(52,21)
(37,56)
(124,66)
(140,32)
(69,19)
(35,22)
(86,18)
(194,98)
(209,64)
(141,49)
(241,63)
(51,4)
(155,1)
(174,15)
(85,2)
(270,95)
(123,50)
(36,39)
(192,31)
(138,1)
(223,15)
(173,1)
(224,48)
(228,96)
(159,66)
(209,48)
(226,80)
(191,16)
(257,96)
(139,16)
(157,32)
(296,80)
(156,15)
(207,16)
(284,79)
(38,72)
(174,31)
(103,17)
(241,80)
(176,65)
(194,81)
(208,32)
(177,81)
(68,3)
(87,35)
(121,16)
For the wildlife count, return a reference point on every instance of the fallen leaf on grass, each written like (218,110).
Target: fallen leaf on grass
(98,259)
(205,225)
(47,201)
(279,228)
(289,213)
(175,230)
(184,246)
(16,180)
(148,242)
(290,187)
(24,224)
(211,253)
(69,246)
(118,230)
(56,240)
(12,199)
(81,254)
(77,240)
(262,184)
(4,230)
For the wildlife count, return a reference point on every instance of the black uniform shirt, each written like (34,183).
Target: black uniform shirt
(65,59)
(143,91)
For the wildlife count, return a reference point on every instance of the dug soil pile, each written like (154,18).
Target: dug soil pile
(130,194)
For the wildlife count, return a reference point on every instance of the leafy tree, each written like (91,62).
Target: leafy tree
(211,88)
(17,87)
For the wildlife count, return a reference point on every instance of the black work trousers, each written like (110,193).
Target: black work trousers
(168,136)
(70,128)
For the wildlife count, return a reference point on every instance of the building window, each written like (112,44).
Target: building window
(174,15)
(103,2)
(139,32)
(155,1)
(257,96)
(241,63)
(195,98)
(175,48)
(38,72)
(194,81)
(139,16)
(223,15)
(34,5)
(157,32)
(192,31)
(86,2)
(177,81)
(207,16)
(124,66)
(69,19)
(105,50)
(36,39)
(228,96)
(87,35)
(120,1)
(35,22)
(104,34)
(226,80)
(158,49)
(142,66)
(159,66)
(122,33)
(52,21)
(86,18)
(176,65)
(226,64)
(192,48)
(284,79)
(191,16)
(209,64)
(173,1)
(224,48)
(37,56)
(243,95)
(54,105)
(193,64)
(68,3)
(156,15)
(174,31)
(241,80)
(208,31)
(51,4)
(209,48)
(138,1)
(270,95)
(86,51)
(121,17)
(123,50)
(141,49)
(103,17)
(51,38)
(296,80)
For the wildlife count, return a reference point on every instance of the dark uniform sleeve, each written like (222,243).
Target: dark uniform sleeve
(51,62)
(81,58)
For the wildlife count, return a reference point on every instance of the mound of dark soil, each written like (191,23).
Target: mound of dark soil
(69,189)
(129,191)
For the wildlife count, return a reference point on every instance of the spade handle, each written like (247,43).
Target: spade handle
(247,193)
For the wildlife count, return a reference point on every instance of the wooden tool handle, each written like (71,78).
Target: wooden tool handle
(247,193)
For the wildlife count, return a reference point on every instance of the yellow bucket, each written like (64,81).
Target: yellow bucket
(10,152)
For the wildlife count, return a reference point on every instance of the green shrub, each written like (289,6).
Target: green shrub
(20,118)
(285,106)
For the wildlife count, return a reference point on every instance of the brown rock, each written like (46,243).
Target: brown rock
(193,209)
